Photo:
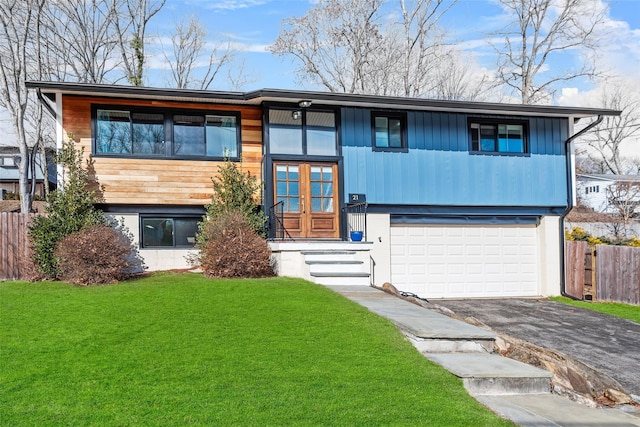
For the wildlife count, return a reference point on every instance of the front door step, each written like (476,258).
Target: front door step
(490,374)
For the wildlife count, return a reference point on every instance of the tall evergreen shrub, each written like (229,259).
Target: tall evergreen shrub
(235,191)
(68,210)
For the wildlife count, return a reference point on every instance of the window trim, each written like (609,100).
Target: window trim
(526,149)
(173,217)
(402,116)
(168,114)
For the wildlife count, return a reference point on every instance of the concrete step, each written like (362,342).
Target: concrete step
(347,266)
(491,374)
(549,410)
(332,279)
(329,255)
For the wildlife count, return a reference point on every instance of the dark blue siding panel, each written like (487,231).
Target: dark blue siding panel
(439,170)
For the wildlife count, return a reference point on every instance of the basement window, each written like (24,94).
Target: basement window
(169,232)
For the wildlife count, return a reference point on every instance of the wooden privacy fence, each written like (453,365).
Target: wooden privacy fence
(15,258)
(605,273)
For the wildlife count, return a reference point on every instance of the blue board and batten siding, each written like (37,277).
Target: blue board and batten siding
(439,170)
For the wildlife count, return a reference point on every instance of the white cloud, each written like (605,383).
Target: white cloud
(232,4)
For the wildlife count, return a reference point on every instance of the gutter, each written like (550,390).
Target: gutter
(570,180)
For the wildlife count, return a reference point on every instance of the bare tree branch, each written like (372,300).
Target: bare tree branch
(194,62)
(354,46)
(539,30)
(131,24)
(607,138)
(18,23)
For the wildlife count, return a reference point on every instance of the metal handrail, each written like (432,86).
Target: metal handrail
(277,231)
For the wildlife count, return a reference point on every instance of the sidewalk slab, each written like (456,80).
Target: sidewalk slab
(549,410)
(416,320)
(491,374)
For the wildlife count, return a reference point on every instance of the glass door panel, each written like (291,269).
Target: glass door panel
(288,187)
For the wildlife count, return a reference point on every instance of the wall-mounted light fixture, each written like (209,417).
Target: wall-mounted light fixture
(305,103)
(296,115)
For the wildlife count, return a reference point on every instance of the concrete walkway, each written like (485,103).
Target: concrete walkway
(511,389)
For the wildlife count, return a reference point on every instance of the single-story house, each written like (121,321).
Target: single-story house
(10,177)
(596,190)
(453,199)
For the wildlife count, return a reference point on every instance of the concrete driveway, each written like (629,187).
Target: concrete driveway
(607,343)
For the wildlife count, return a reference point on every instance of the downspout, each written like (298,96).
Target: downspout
(570,206)
(46,104)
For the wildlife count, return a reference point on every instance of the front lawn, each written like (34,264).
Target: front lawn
(179,349)
(626,311)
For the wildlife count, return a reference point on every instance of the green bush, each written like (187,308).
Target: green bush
(577,233)
(232,248)
(235,191)
(96,255)
(68,210)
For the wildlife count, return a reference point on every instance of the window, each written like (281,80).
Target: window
(285,131)
(302,132)
(498,137)
(389,131)
(126,132)
(9,161)
(161,232)
(321,133)
(592,189)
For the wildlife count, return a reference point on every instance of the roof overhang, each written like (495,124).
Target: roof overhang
(259,97)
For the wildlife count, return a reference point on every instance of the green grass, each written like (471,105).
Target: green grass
(626,311)
(179,349)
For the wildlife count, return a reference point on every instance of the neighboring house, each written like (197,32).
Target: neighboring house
(463,199)
(595,190)
(9,174)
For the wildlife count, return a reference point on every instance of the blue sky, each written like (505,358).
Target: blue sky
(254,24)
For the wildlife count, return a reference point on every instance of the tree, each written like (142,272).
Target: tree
(352,46)
(19,51)
(624,198)
(131,26)
(539,31)
(81,41)
(191,53)
(606,139)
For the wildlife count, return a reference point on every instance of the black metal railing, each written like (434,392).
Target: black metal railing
(276,223)
(356,214)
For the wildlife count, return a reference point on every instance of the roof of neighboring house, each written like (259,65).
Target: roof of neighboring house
(257,97)
(608,177)
(586,214)
(14,206)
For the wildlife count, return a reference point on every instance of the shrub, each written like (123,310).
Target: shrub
(580,234)
(634,242)
(234,191)
(68,210)
(97,255)
(232,248)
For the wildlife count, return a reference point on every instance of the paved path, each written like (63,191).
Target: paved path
(607,343)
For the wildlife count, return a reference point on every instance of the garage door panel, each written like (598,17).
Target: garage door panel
(465,261)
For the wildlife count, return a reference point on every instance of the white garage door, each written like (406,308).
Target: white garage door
(435,261)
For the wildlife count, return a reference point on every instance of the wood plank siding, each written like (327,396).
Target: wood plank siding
(159,181)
